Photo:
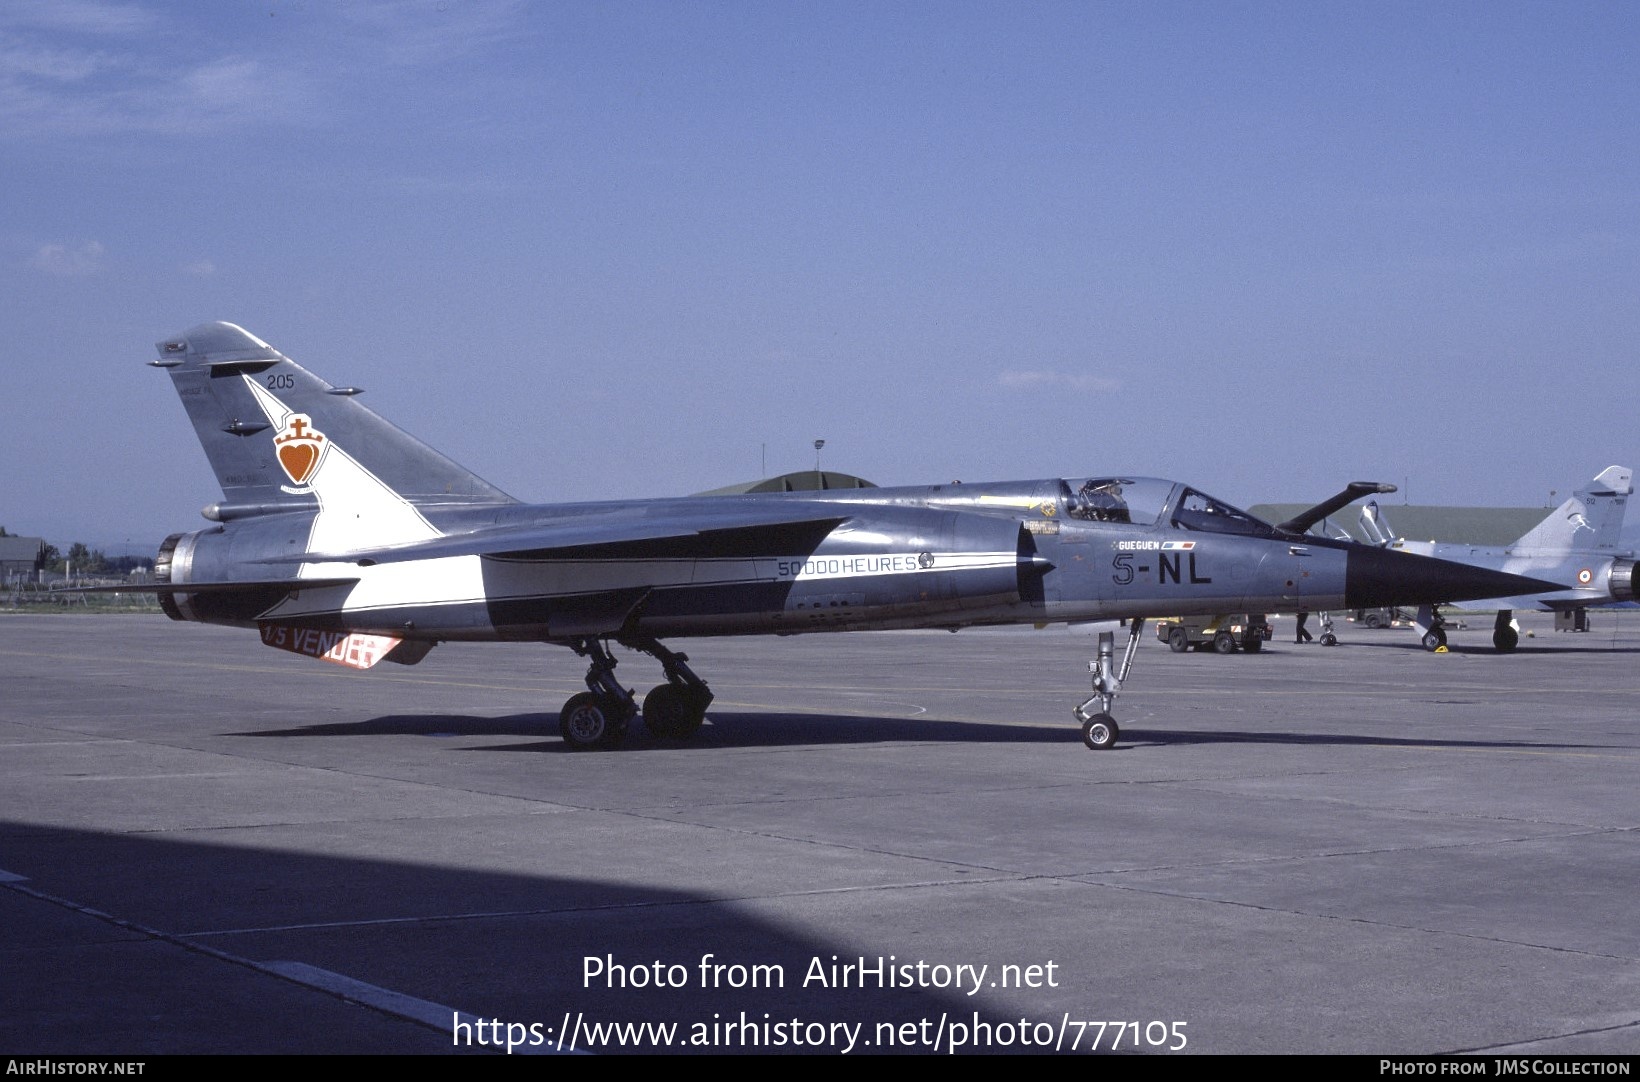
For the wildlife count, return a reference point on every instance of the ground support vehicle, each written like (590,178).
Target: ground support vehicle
(1225,634)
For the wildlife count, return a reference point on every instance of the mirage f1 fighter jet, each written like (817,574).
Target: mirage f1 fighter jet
(339,536)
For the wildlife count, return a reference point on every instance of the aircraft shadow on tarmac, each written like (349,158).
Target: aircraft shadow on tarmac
(508,944)
(442,725)
(738,729)
(723,729)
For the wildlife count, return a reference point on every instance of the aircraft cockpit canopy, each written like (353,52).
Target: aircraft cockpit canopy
(1199,511)
(1138,500)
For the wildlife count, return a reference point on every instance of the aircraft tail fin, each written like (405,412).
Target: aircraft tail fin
(1591,520)
(269,427)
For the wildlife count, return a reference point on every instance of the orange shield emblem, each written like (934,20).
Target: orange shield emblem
(299,448)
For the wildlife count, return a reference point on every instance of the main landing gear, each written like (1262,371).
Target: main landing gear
(599,716)
(1430,628)
(1505,629)
(677,707)
(1099,731)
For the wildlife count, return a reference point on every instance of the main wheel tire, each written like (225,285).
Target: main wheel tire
(1328,639)
(1253,644)
(672,711)
(1505,639)
(1178,640)
(1099,732)
(1435,639)
(1224,642)
(590,721)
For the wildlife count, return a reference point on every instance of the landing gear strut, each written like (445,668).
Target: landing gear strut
(599,716)
(1099,731)
(677,707)
(1430,627)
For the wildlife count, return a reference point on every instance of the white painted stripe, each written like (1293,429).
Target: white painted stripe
(459,580)
(872,565)
(411,1009)
(387,1001)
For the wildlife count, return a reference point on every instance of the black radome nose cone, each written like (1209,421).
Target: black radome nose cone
(1374,578)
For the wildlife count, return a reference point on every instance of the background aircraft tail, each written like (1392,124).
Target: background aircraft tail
(268,425)
(1590,521)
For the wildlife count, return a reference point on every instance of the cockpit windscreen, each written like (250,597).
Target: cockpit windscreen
(1199,511)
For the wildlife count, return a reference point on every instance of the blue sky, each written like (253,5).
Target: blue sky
(629,249)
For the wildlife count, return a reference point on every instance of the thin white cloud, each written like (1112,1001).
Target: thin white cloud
(228,92)
(66,262)
(85,68)
(95,93)
(77,16)
(430,32)
(56,65)
(1016,379)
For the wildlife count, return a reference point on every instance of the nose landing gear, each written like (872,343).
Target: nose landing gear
(1099,730)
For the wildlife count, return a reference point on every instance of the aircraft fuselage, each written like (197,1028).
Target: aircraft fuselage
(948,556)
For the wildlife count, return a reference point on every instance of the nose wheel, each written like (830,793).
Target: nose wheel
(1430,627)
(1100,732)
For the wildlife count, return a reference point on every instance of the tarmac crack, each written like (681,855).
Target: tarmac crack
(1483,1049)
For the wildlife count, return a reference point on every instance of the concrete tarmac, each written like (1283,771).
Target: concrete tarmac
(878,842)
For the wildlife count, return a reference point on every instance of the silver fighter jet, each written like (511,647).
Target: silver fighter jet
(341,537)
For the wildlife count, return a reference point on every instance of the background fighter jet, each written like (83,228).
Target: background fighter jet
(1577,543)
(339,536)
